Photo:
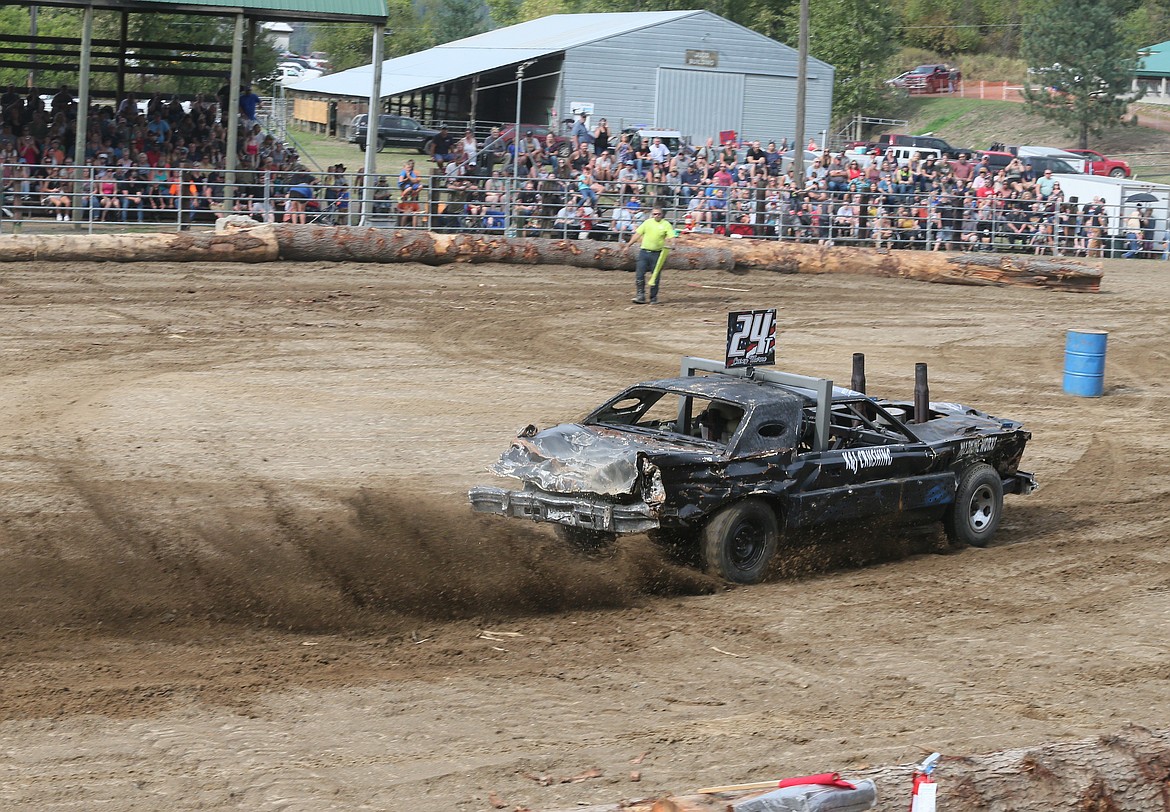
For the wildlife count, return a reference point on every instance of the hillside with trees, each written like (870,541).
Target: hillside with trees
(1084,49)
(867,40)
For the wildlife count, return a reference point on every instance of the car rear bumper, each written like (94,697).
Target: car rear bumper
(571,511)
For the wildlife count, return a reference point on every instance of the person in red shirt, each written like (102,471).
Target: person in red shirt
(722,176)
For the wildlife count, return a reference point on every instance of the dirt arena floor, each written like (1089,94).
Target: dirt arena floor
(239,571)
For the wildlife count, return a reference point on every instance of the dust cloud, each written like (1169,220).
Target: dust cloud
(375,559)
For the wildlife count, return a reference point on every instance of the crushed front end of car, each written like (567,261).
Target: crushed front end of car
(585,477)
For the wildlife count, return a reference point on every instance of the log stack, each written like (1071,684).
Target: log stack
(1128,771)
(928,266)
(690,251)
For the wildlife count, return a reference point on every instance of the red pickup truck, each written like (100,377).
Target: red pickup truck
(1098,164)
(935,78)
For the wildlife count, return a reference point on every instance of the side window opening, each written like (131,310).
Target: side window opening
(696,417)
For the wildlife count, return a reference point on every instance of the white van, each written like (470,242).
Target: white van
(902,154)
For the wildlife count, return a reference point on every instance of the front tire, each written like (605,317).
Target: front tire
(381,144)
(740,541)
(1117,173)
(678,546)
(589,542)
(974,516)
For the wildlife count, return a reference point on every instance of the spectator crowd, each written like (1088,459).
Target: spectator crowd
(152,159)
(598,186)
(165,160)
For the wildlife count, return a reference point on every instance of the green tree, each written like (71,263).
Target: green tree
(856,37)
(351,44)
(1082,68)
(455,19)
(943,26)
(1148,24)
(15,21)
(504,12)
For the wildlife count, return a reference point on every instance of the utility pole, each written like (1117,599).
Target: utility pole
(801,93)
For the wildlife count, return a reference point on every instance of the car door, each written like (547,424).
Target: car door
(874,465)
(408,132)
(389,129)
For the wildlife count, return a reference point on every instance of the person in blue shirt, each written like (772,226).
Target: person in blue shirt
(249,104)
(582,138)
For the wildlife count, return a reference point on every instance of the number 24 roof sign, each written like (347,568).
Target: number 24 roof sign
(751,338)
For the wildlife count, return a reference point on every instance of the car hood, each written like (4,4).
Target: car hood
(572,458)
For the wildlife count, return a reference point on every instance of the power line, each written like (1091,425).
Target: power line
(967,25)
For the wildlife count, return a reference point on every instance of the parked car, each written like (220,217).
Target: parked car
(296,60)
(319,60)
(673,139)
(933,78)
(925,141)
(291,73)
(898,81)
(500,144)
(392,131)
(723,464)
(1000,159)
(809,157)
(1098,164)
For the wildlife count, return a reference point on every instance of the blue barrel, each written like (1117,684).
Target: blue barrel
(1084,363)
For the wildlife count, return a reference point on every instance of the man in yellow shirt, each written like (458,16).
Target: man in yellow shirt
(653,234)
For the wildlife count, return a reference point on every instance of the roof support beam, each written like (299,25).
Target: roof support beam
(373,120)
(233,116)
(82,113)
(123,35)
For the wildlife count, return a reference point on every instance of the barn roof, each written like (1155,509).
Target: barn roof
(1155,60)
(488,51)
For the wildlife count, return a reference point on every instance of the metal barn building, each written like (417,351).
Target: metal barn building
(693,71)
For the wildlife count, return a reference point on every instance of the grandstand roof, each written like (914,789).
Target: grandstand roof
(489,51)
(360,11)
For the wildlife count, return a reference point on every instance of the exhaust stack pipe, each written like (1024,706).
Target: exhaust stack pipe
(921,395)
(858,382)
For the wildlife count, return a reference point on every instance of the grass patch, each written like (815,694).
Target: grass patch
(327,152)
(978,123)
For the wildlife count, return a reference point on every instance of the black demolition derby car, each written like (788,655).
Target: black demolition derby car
(724,463)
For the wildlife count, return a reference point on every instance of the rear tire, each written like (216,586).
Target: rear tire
(589,542)
(974,516)
(740,541)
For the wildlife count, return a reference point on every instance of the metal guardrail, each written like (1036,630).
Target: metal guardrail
(162,198)
(95,198)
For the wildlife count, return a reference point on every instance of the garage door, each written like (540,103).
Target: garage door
(698,103)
